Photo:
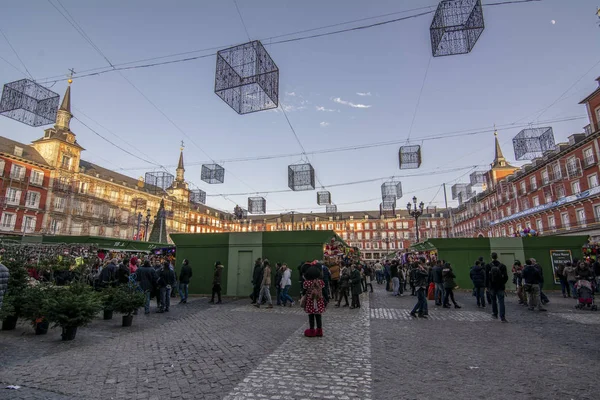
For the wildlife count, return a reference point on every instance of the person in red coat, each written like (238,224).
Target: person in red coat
(314,303)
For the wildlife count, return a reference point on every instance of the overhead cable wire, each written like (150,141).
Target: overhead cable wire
(301,38)
(412,122)
(16,54)
(439,136)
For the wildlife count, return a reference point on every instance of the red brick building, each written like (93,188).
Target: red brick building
(556,194)
(24,182)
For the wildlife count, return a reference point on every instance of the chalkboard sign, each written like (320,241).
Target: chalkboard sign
(558,258)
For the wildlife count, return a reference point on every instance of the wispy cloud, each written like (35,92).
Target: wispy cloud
(349,103)
(321,108)
(324,124)
(363,93)
(290,93)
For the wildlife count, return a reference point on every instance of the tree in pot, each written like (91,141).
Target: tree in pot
(71,307)
(126,300)
(11,303)
(108,300)
(35,303)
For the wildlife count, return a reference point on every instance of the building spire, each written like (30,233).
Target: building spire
(63,117)
(180,168)
(499,160)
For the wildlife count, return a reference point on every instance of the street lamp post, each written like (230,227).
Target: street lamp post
(139,226)
(415,211)
(147,225)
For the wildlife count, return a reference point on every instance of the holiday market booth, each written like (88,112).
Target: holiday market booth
(548,251)
(111,244)
(238,252)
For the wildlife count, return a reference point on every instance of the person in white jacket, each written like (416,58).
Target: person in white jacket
(286,283)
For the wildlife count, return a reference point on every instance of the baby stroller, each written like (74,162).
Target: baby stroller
(585,295)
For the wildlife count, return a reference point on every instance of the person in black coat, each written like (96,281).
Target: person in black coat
(477,274)
(147,278)
(355,286)
(257,275)
(184,280)
(497,276)
(166,280)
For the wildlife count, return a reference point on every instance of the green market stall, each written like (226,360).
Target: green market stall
(109,244)
(549,252)
(238,252)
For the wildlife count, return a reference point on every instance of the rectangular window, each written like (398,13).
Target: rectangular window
(566,221)
(17,172)
(588,157)
(536,201)
(330,227)
(114,195)
(55,226)
(545,178)
(580,213)
(367,235)
(551,222)
(83,187)
(533,182)
(13,196)
(503,232)
(36,177)
(59,203)
(560,191)
(575,188)
(360,235)
(539,224)
(28,225)
(392,245)
(593,181)
(597,212)
(99,191)
(32,199)
(511,230)
(65,162)
(523,188)
(359,226)
(8,221)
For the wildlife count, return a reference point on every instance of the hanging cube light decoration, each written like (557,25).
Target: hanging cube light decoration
(247,78)
(323,198)
(28,102)
(257,205)
(158,182)
(456,27)
(409,157)
(331,208)
(301,177)
(477,178)
(388,204)
(197,196)
(391,189)
(458,188)
(531,143)
(212,173)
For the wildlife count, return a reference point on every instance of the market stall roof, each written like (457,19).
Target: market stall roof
(423,246)
(111,244)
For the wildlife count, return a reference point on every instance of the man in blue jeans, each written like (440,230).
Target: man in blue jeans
(184,281)
(421,279)
(498,276)
(146,276)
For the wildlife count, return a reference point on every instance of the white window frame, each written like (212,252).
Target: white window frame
(30,194)
(545,177)
(575,187)
(551,222)
(581,222)
(533,183)
(597,212)
(28,224)
(10,224)
(539,224)
(595,177)
(17,171)
(14,198)
(589,158)
(59,203)
(536,201)
(39,177)
(567,224)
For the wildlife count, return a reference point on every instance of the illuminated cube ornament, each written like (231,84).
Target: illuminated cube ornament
(477,178)
(301,177)
(27,102)
(212,173)
(197,196)
(531,143)
(158,182)
(391,190)
(323,198)
(331,209)
(456,26)
(458,188)
(388,204)
(257,205)
(409,157)
(247,78)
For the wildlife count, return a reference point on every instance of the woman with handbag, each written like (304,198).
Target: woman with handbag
(313,301)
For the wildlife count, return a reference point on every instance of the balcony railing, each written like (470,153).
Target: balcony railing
(589,161)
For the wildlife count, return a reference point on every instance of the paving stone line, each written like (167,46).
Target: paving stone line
(275,310)
(337,366)
(587,319)
(447,315)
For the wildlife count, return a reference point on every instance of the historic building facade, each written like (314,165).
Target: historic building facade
(558,193)
(24,182)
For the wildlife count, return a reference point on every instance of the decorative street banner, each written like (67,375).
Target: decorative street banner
(558,258)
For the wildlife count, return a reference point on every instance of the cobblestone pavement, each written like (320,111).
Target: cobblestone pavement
(236,351)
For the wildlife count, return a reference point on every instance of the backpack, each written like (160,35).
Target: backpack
(496,273)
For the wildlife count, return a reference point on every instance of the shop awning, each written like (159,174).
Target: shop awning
(110,244)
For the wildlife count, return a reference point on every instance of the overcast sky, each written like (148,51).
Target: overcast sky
(350,89)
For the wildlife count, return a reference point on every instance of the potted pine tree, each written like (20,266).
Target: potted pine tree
(35,301)
(11,303)
(127,300)
(108,299)
(71,307)
(8,314)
